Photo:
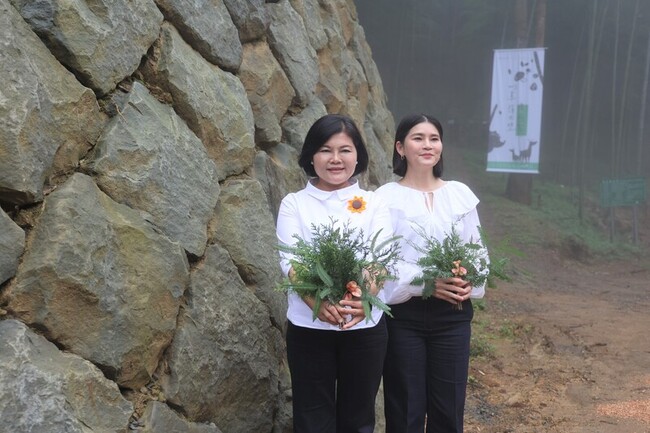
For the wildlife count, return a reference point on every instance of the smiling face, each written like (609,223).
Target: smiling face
(335,162)
(422,146)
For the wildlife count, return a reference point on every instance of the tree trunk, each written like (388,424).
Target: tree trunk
(540,23)
(644,101)
(569,122)
(520,185)
(585,126)
(618,145)
(612,154)
(521,22)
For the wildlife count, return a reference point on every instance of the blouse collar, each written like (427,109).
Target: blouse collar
(444,184)
(342,193)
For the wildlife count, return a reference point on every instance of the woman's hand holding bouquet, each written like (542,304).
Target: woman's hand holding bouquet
(344,314)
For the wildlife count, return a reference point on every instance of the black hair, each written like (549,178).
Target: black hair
(405,125)
(321,131)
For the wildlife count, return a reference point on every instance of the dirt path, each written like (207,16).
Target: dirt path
(573,354)
(571,339)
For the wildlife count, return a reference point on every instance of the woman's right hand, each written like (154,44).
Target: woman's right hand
(327,312)
(453,290)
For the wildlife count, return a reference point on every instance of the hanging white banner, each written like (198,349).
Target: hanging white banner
(516,110)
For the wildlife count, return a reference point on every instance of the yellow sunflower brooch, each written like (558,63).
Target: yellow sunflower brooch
(356,205)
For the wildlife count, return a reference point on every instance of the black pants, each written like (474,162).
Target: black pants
(335,377)
(425,374)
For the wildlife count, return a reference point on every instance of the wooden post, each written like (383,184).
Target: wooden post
(635,227)
(519,187)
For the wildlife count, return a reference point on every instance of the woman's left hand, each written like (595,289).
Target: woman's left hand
(355,310)
(453,290)
(371,275)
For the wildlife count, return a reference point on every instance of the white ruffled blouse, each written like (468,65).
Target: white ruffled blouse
(434,213)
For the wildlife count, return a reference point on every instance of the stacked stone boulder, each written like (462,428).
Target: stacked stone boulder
(144,150)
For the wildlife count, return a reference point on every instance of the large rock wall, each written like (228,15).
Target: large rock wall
(144,150)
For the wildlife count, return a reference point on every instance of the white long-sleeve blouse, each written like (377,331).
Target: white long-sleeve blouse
(434,212)
(312,206)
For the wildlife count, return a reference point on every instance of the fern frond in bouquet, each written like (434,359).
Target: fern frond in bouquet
(340,263)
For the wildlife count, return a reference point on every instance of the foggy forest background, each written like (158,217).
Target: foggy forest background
(435,56)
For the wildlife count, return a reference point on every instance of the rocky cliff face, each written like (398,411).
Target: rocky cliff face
(144,150)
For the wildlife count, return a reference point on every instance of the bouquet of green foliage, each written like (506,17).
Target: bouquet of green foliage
(454,258)
(339,263)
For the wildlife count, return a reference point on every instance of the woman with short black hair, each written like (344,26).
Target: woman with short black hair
(335,364)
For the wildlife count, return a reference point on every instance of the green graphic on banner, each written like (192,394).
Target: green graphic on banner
(522,120)
(513,167)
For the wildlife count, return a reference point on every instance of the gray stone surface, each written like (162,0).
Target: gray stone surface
(103,41)
(223,361)
(331,87)
(382,122)
(363,54)
(148,159)
(268,89)
(100,282)
(212,102)
(44,390)
(159,418)
(294,128)
(208,28)
(342,85)
(12,244)
(290,44)
(252,245)
(278,172)
(47,119)
(310,12)
(380,164)
(126,189)
(250,17)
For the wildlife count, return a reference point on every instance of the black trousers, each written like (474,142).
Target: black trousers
(335,377)
(426,368)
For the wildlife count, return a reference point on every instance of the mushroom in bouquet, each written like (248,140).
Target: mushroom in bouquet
(458,270)
(353,290)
